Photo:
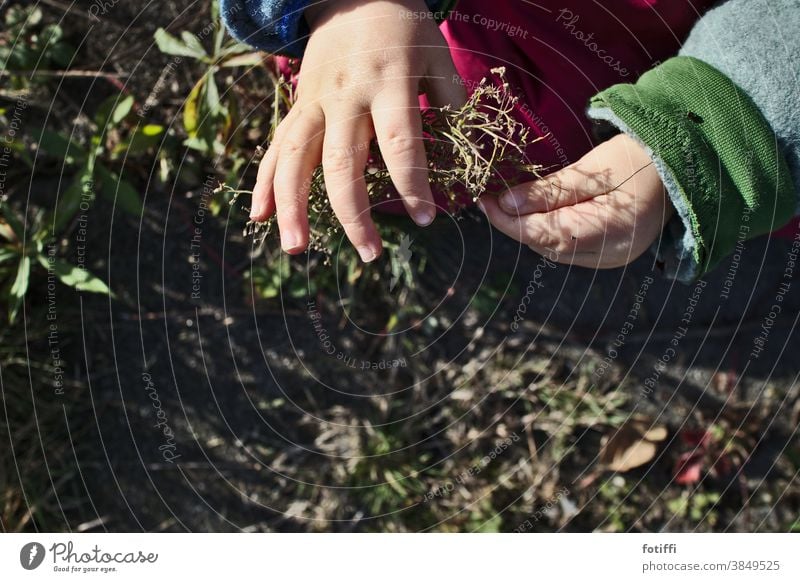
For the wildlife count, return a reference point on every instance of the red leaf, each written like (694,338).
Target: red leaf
(696,438)
(689,468)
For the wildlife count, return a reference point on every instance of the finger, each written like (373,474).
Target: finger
(589,177)
(564,234)
(596,233)
(572,185)
(344,158)
(398,127)
(263,204)
(300,153)
(443,85)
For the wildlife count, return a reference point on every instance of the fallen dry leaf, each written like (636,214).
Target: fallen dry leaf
(632,445)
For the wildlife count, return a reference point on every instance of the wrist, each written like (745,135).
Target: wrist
(321,12)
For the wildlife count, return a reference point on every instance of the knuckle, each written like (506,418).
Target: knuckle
(290,217)
(414,199)
(351,224)
(294,148)
(380,63)
(338,160)
(341,78)
(358,228)
(289,195)
(400,145)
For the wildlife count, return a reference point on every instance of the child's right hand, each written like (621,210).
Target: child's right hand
(365,64)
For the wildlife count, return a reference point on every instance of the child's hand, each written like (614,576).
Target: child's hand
(601,212)
(365,64)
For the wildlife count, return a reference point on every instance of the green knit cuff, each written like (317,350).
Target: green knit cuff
(716,154)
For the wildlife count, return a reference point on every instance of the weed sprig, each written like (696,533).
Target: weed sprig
(474,149)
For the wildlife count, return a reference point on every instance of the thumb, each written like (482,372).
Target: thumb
(591,176)
(565,187)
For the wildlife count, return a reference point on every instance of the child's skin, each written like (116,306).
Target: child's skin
(602,211)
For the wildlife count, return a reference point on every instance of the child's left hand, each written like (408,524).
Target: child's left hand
(600,212)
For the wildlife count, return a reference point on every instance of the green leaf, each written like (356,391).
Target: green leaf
(191,109)
(103,113)
(128,198)
(19,288)
(197,144)
(245,60)
(62,53)
(219,32)
(122,109)
(171,45)
(152,130)
(19,148)
(268,281)
(18,16)
(60,146)
(34,17)
(113,110)
(70,200)
(141,140)
(73,276)
(212,95)
(119,191)
(7,254)
(235,48)
(193,43)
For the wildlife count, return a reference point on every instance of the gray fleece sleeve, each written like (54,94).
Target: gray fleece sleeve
(756,44)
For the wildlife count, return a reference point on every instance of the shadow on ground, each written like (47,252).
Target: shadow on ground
(211,415)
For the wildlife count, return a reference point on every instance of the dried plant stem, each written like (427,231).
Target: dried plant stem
(469,149)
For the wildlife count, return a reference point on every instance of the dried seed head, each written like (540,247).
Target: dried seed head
(468,148)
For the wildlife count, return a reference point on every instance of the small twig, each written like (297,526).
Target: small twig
(70,9)
(629,178)
(80,74)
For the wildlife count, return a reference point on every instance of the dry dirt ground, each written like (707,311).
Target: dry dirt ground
(191,408)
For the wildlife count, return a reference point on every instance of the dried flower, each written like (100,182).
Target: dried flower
(477,148)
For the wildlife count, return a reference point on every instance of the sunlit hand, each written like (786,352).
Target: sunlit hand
(363,70)
(600,212)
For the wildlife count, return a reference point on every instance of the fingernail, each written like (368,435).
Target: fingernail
(290,242)
(424,217)
(481,206)
(257,209)
(367,254)
(512,200)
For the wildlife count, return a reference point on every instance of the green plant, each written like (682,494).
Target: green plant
(94,174)
(21,254)
(27,45)
(210,119)
(696,507)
